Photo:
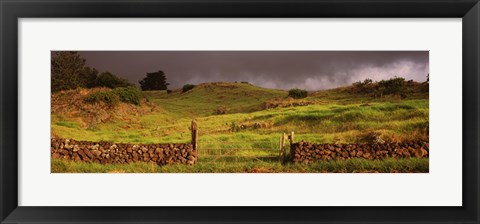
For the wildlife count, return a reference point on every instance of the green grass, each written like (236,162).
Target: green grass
(67,124)
(335,116)
(318,123)
(411,165)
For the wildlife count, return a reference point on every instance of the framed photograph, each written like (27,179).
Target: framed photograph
(245,112)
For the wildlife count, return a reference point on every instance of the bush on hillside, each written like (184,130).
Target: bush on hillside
(108,97)
(394,85)
(297,93)
(111,81)
(187,87)
(234,127)
(130,94)
(365,87)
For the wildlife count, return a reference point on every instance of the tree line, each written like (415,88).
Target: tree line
(69,71)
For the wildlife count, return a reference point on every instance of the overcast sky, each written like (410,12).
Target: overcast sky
(311,70)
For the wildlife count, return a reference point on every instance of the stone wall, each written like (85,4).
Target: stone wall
(306,152)
(113,153)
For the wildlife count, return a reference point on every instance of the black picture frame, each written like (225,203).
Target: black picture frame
(11,11)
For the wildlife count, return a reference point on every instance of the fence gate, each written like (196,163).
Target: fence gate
(223,149)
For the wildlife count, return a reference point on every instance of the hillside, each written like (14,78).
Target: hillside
(325,116)
(214,98)
(70,111)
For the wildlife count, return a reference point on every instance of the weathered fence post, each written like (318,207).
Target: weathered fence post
(195,136)
(282,147)
(291,139)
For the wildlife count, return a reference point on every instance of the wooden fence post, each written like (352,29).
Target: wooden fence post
(195,136)
(291,139)
(282,147)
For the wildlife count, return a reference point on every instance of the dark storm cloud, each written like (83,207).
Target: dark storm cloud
(310,70)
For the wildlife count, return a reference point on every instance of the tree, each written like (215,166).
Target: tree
(154,81)
(67,68)
(89,77)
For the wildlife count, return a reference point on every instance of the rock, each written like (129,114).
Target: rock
(114,148)
(359,154)
(420,153)
(88,153)
(135,147)
(56,155)
(96,153)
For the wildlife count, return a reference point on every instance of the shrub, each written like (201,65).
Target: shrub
(111,81)
(221,110)
(129,94)
(109,97)
(365,87)
(394,86)
(187,87)
(169,91)
(297,93)
(234,127)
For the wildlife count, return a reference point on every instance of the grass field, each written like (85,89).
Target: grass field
(233,120)
(333,166)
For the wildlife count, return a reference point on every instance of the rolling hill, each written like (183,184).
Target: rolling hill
(244,122)
(231,112)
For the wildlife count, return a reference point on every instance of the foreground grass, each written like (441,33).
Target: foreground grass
(410,165)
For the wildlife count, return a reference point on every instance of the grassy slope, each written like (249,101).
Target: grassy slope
(336,116)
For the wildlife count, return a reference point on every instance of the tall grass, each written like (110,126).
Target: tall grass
(411,165)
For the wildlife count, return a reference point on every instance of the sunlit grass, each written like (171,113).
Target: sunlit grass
(334,166)
(318,123)
(335,117)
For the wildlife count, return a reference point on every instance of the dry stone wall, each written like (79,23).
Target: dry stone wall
(113,153)
(305,152)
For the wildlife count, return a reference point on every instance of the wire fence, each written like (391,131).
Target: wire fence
(211,150)
(237,151)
